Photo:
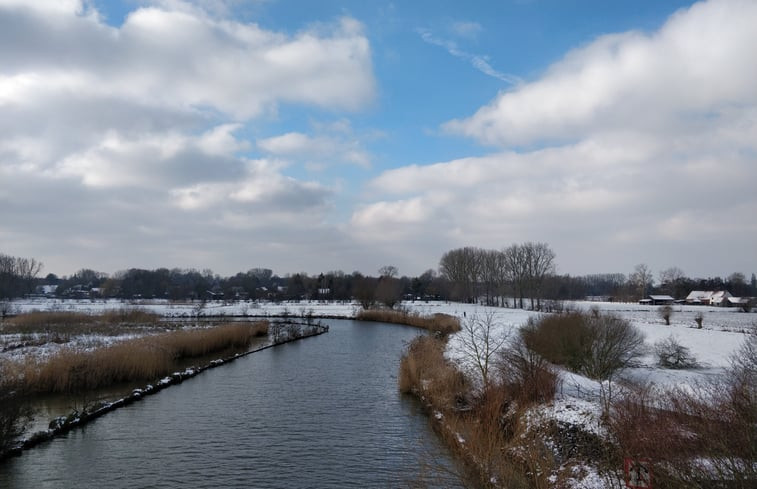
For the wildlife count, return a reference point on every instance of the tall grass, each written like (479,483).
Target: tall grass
(142,359)
(73,323)
(487,432)
(443,323)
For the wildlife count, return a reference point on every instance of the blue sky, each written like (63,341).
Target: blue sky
(312,136)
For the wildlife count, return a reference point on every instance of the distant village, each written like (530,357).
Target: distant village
(716,298)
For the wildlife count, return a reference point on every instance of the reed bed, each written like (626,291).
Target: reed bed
(147,358)
(443,323)
(66,323)
(487,430)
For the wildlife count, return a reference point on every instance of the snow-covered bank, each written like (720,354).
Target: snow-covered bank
(578,401)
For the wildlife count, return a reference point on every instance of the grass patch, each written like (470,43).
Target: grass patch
(442,323)
(142,359)
(65,324)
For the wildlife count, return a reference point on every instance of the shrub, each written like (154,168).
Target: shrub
(665,312)
(593,345)
(14,414)
(715,423)
(698,318)
(671,354)
(525,374)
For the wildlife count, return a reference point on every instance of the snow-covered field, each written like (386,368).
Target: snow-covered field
(722,332)
(578,399)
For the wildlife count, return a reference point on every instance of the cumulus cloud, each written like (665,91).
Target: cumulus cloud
(697,68)
(634,148)
(111,136)
(317,150)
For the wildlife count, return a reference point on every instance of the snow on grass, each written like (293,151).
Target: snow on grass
(578,398)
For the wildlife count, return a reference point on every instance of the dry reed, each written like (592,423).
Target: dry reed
(443,323)
(65,323)
(487,430)
(142,359)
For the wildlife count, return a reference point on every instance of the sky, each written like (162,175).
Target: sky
(347,135)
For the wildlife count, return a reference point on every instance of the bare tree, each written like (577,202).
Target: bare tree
(460,266)
(388,271)
(478,344)
(516,271)
(641,279)
(670,278)
(364,291)
(489,263)
(539,262)
(389,291)
(17,275)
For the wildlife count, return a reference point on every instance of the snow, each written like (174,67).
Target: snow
(578,398)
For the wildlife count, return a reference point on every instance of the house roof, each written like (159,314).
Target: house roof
(738,300)
(661,298)
(699,295)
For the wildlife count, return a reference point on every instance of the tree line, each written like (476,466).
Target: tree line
(17,275)
(518,271)
(520,275)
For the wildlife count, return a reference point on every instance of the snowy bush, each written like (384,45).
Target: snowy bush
(595,345)
(699,318)
(671,354)
(665,312)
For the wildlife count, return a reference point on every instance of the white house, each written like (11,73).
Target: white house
(699,297)
(720,298)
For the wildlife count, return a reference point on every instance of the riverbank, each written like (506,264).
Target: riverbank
(522,419)
(61,425)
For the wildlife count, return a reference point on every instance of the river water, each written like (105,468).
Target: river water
(320,412)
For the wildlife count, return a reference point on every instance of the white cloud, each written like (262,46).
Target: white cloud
(697,66)
(184,59)
(111,136)
(478,61)
(319,150)
(640,148)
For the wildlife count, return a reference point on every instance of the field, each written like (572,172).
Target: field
(578,401)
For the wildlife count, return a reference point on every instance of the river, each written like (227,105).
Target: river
(317,413)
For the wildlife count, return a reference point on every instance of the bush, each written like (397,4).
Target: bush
(698,318)
(665,312)
(525,374)
(671,354)
(14,414)
(595,345)
(716,423)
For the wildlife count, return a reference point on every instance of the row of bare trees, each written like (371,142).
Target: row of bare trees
(17,275)
(518,271)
